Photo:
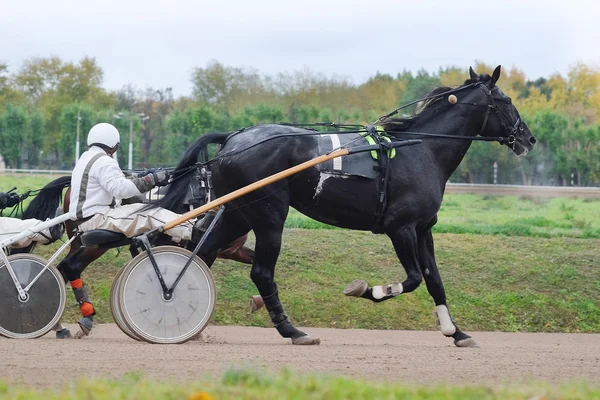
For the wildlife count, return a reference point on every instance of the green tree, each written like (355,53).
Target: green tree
(12,132)
(128,123)
(417,86)
(34,137)
(218,84)
(68,131)
(180,134)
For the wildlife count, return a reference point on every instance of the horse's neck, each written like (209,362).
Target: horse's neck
(446,151)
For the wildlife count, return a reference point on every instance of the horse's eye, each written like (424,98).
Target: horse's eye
(508,101)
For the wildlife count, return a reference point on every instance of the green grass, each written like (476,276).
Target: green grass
(520,216)
(492,282)
(504,215)
(259,385)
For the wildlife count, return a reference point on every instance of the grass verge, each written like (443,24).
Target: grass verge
(249,385)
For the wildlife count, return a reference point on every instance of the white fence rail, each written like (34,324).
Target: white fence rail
(490,189)
(519,190)
(34,171)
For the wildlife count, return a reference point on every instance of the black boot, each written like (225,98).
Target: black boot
(282,323)
(86,322)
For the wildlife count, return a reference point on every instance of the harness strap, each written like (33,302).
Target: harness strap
(383,156)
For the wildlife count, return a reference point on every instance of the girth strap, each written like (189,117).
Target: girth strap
(383,154)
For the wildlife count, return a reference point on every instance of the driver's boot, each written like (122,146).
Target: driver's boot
(86,323)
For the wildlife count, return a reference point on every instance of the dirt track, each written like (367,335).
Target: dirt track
(419,357)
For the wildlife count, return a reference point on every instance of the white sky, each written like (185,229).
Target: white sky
(157,43)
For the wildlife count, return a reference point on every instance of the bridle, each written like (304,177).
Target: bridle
(517,128)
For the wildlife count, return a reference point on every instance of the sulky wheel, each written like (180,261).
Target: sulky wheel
(43,307)
(145,310)
(114,306)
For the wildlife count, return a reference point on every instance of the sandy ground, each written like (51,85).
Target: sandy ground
(409,356)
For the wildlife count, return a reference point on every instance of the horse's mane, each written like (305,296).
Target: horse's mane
(403,124)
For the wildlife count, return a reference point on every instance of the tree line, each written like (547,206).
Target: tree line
(42,102)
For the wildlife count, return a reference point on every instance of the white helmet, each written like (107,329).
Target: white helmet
(103,134)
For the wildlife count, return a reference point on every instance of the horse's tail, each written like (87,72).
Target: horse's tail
(197,151)
(44,205)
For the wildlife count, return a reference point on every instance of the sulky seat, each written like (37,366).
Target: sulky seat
(104,238)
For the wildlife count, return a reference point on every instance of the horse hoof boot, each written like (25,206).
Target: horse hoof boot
(356,288)
(469,342)
(256,303)
(306,340)
(64,334)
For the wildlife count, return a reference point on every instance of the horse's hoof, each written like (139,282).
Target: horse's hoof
(306,341)
(256,303)
(356,288)
(80,335)
(469,342)
(64,334)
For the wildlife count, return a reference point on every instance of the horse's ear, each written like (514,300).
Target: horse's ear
(496,75)
(472,73)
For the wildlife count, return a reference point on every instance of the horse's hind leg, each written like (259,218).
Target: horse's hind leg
(231,227)
(268,246)
(435,288)
(266,217)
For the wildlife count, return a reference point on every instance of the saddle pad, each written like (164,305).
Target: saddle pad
(357,164)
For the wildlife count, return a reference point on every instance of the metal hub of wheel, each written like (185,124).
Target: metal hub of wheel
(43,305)
(150,314)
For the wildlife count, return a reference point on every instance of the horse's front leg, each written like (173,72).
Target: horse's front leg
(435,288)
(404,240)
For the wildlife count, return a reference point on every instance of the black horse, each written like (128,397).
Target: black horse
(414,192)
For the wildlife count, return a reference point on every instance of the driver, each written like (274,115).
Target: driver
(97,187)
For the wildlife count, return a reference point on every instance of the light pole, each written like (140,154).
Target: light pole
(117,116)
(77,142)
(143,118)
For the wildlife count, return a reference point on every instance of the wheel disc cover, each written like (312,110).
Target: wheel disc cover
(44,306)
(176,320)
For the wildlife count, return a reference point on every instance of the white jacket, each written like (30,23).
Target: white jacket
(96,181)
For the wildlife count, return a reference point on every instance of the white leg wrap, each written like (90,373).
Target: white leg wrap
(390,289)
(378,292)
(446,325)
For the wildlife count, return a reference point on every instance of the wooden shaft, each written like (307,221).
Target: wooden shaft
(256,185)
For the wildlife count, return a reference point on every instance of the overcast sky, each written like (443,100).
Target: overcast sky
(157,43)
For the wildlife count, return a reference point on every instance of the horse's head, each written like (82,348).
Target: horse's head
(501,117)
